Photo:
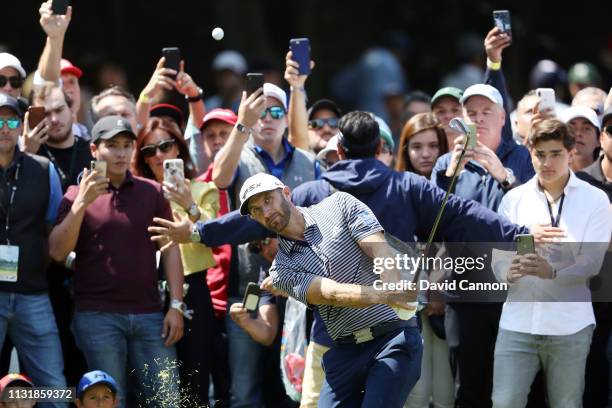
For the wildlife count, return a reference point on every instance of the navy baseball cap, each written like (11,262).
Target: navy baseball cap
(95,377)
(11,103)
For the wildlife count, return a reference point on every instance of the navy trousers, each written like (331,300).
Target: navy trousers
(378,373)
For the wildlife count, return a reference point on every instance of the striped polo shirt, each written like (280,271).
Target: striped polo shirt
(331,249)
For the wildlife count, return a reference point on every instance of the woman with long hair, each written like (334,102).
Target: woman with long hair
(422,141)
(162,140)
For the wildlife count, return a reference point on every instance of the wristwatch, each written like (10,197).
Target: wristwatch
(194,210)
(195,234)
(196,98)
(178,305)
(243,129)
(510,179)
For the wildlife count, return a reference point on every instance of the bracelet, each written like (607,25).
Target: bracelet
(493,65)
(196,98)
(143,98)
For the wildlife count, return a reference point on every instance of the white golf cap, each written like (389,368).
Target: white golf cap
(331,146)
(574,112)
(259,183)
(275,92)
(485,90)
(9,60)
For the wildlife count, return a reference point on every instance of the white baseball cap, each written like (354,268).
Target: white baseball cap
(9,60)
(574,112)
(485,90)
(230,60)
(275,92)
(259,183)
(331,146)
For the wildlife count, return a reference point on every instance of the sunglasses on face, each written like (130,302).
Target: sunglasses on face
(164,146)
(11,123)
(14,81)
(276,112)
(256,246)
(320,123)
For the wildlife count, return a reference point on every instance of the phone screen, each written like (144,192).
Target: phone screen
(471,135)
(251,297)
(501,20)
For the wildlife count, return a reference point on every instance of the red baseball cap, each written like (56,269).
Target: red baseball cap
(66,67)
(166,109)
(224,115)
(9,379)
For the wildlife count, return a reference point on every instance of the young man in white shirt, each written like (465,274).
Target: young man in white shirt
(554,335)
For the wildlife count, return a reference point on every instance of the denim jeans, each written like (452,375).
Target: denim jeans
(246,362)
(29,322)
(377,373)
(113,341)
(518,357)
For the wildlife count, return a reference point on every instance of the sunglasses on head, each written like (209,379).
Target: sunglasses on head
(14,81)
(11,123)
(276,112)
(164,146)
(320,123)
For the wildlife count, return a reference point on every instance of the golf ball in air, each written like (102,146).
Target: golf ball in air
(218,33)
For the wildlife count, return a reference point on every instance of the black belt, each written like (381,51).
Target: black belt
(369,333)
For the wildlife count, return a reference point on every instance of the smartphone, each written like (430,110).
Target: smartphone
(525,244)
(60,7)
(173,58)
(300,48)
(501,20)
(174,172)
(547,99)
(36,114)
(99,166)
(471,136)
(255,81)
(251,297)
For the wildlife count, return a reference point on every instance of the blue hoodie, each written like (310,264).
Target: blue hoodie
(405,204)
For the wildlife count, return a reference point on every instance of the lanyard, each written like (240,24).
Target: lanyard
(13,189)
(554,222)
(65,177)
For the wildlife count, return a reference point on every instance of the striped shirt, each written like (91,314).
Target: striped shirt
(331,249)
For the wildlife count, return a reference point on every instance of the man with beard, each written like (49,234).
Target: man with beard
(68,153)
(256,144)
(325,259)
(54,139)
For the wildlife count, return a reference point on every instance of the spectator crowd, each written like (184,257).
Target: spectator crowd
(130,286)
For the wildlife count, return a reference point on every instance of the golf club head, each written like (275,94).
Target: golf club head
(459,125)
